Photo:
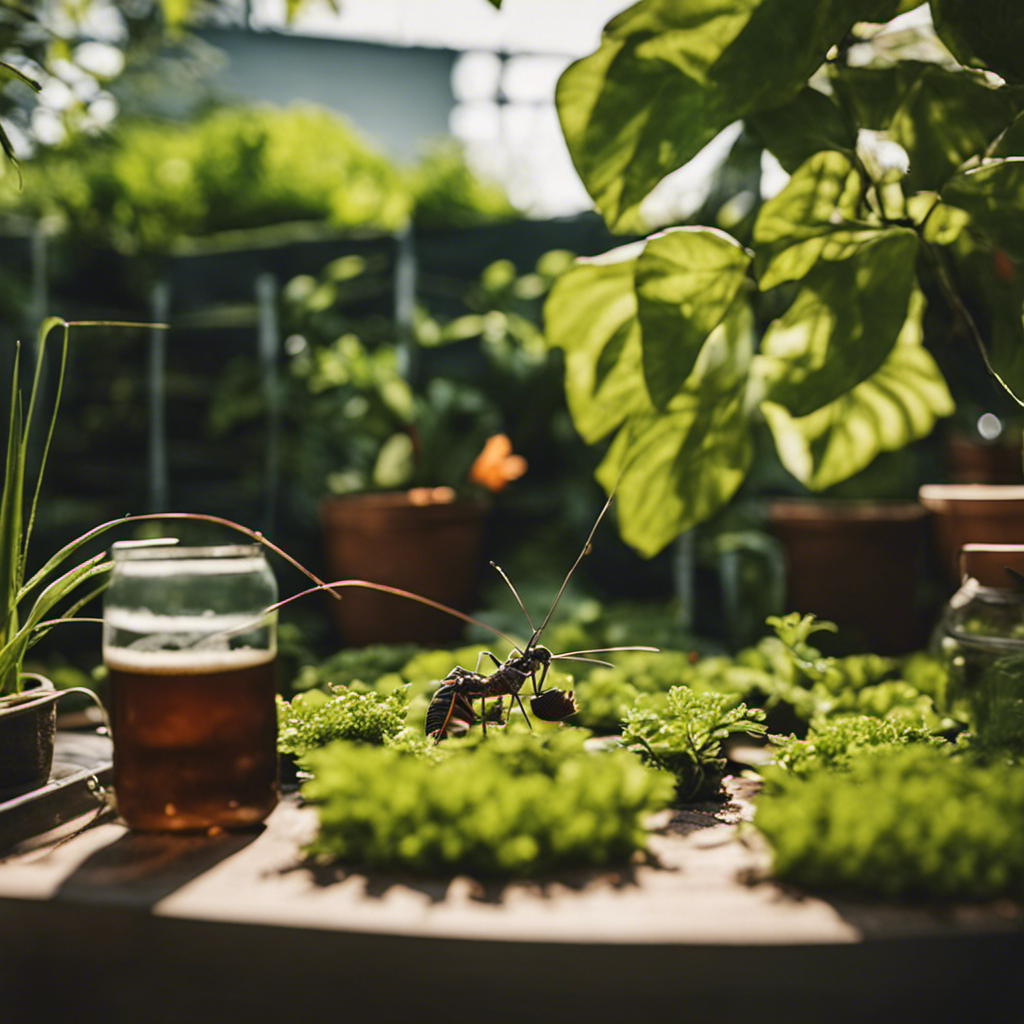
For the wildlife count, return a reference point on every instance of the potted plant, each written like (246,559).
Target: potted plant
(401,457)
(31,606)
(802,308)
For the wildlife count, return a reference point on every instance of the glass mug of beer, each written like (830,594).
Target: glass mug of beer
(190,651)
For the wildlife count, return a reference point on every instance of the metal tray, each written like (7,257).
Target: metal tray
(82,769)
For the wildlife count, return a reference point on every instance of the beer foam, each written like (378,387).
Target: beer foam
(184,662)
(174,566)
(142,622)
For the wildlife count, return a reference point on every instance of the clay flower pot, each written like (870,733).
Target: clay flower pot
(854,563)
(28,724)
(425,540)
(973,514)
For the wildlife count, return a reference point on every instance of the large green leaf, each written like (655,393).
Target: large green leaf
(842,324)
(813,218)
(677,467)
(809,123)
(669,76)
(591,314)
(940,116)
(988,35)
(993,195)
(686,281)
(897,404)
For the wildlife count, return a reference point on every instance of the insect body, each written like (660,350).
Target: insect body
(451,708)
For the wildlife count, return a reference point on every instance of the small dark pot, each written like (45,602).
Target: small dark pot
(424,542)
(855,563)
(27,730)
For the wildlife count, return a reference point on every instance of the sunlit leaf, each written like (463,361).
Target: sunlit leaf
(686,281)
(668,77)
(993,195)
(897,404)
(987,36)
(811,219)
(842,324)
(591,314)
(677,467)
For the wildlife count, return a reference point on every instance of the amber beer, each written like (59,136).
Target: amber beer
(189,641)
(195,738)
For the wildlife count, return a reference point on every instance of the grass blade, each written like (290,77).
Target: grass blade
(44,331)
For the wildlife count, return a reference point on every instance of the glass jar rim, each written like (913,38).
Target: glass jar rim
(169,550)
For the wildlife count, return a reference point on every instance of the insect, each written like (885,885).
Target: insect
(451,708)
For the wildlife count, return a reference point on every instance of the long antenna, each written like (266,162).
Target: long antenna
(579,558)
(515,594)
(397,592)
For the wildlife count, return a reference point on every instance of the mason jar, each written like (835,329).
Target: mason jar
(982,640)
(190,650)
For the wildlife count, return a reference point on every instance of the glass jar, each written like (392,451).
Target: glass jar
(982,640)
(190,649)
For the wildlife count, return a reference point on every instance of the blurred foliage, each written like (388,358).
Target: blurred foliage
(369,407)
(148,184)
(447,194)
(516,804)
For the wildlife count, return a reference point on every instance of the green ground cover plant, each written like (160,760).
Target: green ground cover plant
(900,823)
(313,719)
(515,804)
(835,743)
(684,734)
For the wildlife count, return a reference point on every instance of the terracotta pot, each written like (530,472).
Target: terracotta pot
(976,462)
(28,724)
(973,513)
(425,541)
(855,563)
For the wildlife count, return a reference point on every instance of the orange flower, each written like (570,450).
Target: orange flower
(496,466)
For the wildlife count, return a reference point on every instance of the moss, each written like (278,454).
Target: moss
(515,804)
(908,823)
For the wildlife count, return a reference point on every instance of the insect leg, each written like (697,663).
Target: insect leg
(497,664)
(537,687)
(521,708)
(483,714)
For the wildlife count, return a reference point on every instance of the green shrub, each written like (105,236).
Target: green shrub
(150,183)
(516,804)
(684,735)
(313,719)
(907,823)
(447,193)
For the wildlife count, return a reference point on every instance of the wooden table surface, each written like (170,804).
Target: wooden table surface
(243,927)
